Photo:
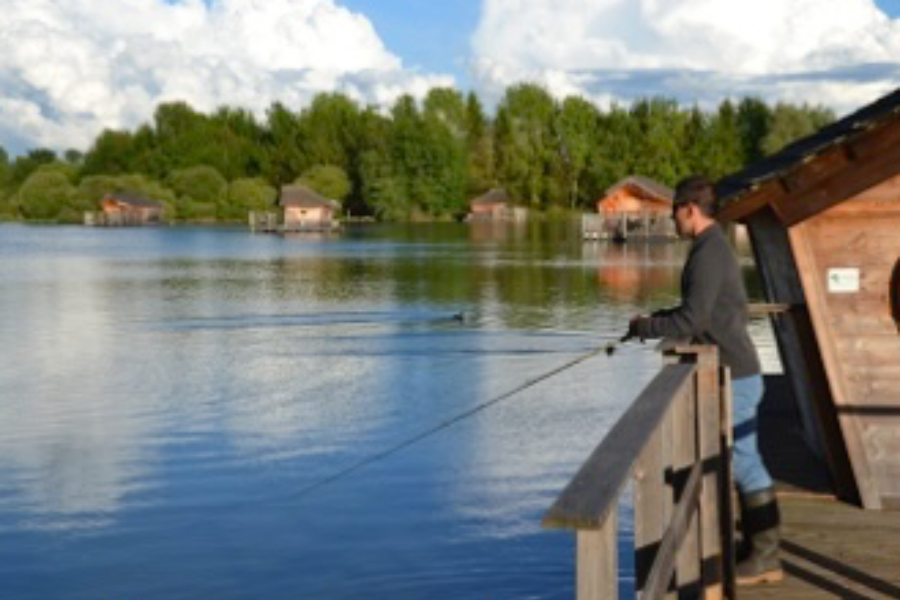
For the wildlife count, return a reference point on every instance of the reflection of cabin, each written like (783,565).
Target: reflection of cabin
(126,209)
(824,219)
(305,210)
(496,205)
(634,207)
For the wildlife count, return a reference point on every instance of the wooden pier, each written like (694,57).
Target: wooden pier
(831,548)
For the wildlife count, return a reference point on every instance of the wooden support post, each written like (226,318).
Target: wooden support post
(708,447)
(687,574)
(597,564)
(650,494)
(726,483)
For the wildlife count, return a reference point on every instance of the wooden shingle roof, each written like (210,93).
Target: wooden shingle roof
(494,196)
(649,186)
(840,135)
(302,196)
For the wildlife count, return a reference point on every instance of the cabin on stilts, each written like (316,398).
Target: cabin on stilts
(496,205)
(126,209)
(306,210)
(823,216)
(635,207)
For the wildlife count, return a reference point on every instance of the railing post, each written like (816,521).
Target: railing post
(597,562)
(715,498)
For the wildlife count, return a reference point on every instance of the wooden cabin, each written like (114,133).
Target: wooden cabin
(495,205)
(824,220)
(636,206)
(122,209)
(305,210)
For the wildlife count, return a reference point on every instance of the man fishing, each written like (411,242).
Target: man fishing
(713,310)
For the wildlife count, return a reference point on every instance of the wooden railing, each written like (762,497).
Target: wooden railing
(673,443)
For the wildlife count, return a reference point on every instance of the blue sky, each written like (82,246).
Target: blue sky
(70,69)
(429,34)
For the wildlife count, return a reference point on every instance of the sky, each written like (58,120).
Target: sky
(70,69)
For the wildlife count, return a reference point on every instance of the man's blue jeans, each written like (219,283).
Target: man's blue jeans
(750,473)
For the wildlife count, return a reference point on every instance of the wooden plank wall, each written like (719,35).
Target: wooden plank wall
(857,336)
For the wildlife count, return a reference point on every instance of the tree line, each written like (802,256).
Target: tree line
(412,160)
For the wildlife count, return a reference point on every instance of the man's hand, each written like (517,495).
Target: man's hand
(637,327)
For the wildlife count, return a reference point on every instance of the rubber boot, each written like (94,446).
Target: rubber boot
(760,522)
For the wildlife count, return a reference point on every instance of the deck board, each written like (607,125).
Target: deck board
(831,549)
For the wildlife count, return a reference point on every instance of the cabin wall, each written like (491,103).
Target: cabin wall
(296,215)
(846,256)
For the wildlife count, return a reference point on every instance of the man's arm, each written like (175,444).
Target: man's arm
(703,280)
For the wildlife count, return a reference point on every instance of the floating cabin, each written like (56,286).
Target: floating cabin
(636,207)
(305,210)
(126,209)
(823,217)
(496,205)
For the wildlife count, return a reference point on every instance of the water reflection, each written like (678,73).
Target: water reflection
(69,436)
(171,391)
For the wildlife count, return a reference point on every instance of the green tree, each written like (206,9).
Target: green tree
(247,194)
(524,141)
(575,127)
(381,190)
(23,166)
(5,171)
(480,145)
(614,155)
(753,118)
(47,195)
(283,159)
(728,152)
(446,139)
(110,154)
(789,123)
(328,132)
(329,180)
(201,192)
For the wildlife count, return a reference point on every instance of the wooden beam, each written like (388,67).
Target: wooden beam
(753,201)
(816,169)
(843,182)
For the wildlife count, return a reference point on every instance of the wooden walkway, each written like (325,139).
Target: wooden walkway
(831,549)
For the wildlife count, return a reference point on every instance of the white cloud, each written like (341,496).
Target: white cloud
(69,69)
(842,53)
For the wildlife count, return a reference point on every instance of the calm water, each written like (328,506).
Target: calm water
(169,396)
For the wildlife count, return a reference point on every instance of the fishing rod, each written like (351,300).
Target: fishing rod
(608,349)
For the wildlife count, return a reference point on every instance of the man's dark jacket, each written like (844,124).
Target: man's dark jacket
(713,305)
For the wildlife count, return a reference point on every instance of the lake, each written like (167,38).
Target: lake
(175,402)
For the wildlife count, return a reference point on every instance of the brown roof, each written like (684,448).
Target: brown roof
(649,186)
(494,196)
(298,195)
(133,199)
(732,188)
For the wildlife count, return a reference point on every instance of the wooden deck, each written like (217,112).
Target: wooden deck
(831,549)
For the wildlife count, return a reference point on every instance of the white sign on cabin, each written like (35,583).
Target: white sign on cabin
(843,281)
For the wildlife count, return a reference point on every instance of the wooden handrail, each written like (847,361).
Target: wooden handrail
(677,428)
(595,489)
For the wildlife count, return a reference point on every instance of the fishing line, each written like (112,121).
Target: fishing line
(608,349)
